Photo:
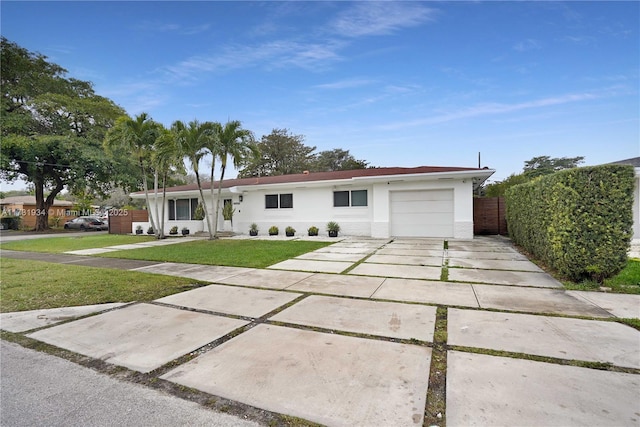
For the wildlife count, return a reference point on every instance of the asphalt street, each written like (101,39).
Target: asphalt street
(43,390)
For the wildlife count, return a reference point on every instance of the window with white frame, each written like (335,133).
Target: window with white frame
(349,198)
(182,209)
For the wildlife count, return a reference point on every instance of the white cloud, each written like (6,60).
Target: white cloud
(580,40)
(275,54)
(312,52)
(379,18)
(163,27)
(526,45)
(346,84)
(487,109)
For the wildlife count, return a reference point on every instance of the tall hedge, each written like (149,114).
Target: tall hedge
(578,221)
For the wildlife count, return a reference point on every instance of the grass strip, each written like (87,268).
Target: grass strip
(35,285)
(435,409)
(73,243)
(634,323)
(626,281)
(227,252)
(601,366)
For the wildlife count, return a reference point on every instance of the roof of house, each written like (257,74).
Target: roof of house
(634,161)
(325,176)
(30,200)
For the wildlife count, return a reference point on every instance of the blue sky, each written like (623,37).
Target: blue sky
(396,83)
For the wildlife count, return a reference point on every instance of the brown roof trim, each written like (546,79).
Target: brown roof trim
(323,176)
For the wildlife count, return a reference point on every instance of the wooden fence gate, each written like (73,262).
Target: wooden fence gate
(489,216)
(120,221)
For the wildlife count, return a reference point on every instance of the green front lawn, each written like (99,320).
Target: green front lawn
(229,252)
(73,243)
(33,285)
(625,282)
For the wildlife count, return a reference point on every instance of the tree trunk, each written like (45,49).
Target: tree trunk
(222,169)
(213,165)
(146,194)
(44,204)
(155,202)
(164,197)
(42,221)
(204,205)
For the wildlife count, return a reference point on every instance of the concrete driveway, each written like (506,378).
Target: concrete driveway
(346,335)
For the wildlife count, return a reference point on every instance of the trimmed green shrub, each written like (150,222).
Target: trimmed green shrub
(578,221)
(199,213)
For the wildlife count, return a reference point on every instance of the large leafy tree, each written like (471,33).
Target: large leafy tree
(193,140)
(335,160)
(234,143)
(545,165)
(280,153)
(533,168)
(51,128)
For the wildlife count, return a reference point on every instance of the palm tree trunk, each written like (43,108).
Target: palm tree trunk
(146,194)
(164,198)
(155,190)
(213,165)
(222,169)
(204,205)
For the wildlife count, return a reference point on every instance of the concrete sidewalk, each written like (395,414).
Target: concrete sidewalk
(357,348)
(149,244)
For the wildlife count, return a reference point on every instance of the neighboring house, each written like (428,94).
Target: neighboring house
(635,162)
(25,208)
(378,202)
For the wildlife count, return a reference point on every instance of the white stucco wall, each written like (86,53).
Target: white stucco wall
(462,196)
(313,206)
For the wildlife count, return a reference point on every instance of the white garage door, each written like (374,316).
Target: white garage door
(425,213)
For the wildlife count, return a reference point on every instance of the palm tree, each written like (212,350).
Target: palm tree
(167,159)
(214,148)
(192,140)
(137,135)
(233,142)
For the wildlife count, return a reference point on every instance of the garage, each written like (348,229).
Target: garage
(422,213)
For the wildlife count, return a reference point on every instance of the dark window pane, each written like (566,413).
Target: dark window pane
(340,198)
(194,206)
(359,198)
(172,210)
(182,209)
(271,201)
(286,201)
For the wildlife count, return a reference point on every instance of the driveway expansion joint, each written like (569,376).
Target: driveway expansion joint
(436,402)
(600,366)
(409,341)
